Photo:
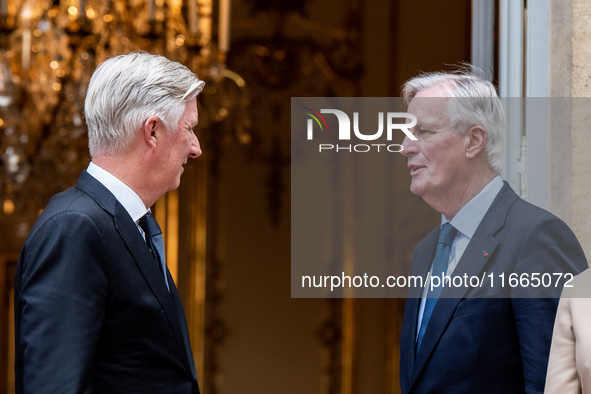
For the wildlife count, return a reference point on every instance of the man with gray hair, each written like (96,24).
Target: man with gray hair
(493,338)
(96,310)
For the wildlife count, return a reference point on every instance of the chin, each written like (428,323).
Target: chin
(416,189)
(174,185)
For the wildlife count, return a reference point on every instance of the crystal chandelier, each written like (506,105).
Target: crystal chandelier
(48,51)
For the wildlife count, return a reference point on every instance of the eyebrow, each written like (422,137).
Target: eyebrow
(427,127)
(420,126)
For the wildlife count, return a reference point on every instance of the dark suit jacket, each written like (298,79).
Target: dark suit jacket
(490,339)
(92,312)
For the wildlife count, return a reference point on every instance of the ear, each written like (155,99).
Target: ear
(151,129)
(475,141)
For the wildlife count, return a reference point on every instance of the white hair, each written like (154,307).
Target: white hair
(474,103)
(127,90)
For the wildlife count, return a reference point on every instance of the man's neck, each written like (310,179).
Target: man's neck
(451,204)
(127,171)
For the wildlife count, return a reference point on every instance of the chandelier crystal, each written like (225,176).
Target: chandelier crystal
(48,51)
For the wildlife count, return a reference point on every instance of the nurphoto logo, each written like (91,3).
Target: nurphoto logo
(393,121)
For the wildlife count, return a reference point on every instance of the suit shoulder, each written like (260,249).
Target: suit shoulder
(523,213)
(527,222)
(545,242)
(71,205)
(66,237)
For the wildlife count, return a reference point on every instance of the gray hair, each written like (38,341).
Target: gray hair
(475,103)
(126,90)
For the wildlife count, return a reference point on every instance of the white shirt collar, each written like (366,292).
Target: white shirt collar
(467,220)
(132,203)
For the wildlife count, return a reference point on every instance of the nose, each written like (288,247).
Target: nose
(195,147)
(409,147)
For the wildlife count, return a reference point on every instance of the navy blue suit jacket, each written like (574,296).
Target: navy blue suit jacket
(490,339)
(92,311)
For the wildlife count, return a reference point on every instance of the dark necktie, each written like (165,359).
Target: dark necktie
(440,263)
(155,242)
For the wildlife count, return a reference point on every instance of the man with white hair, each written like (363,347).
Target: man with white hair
(493,338)
(96,310)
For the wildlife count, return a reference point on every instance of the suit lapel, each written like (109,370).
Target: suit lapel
(143,258)
(422,259)
(480,249)
(149,268)
(190,363)
(471,263)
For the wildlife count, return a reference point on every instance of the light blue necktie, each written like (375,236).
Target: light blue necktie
(440,262)
(155,242)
